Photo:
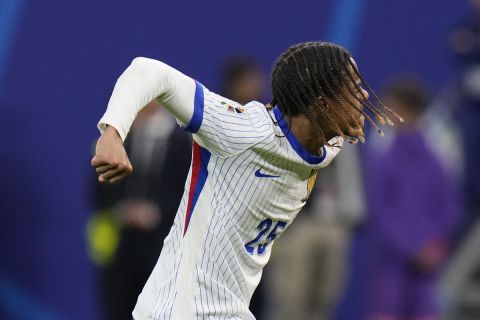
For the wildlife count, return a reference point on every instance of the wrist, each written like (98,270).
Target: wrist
(112,131)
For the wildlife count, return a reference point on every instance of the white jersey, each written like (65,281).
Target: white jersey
(248,180)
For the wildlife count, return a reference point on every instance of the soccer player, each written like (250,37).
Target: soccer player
(253,167)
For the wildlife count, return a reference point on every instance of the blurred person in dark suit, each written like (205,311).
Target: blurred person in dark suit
(462,281)
(465,44)
(242,80)
(142,208)
(413,211)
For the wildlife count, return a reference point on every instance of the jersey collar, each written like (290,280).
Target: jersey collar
(296,145)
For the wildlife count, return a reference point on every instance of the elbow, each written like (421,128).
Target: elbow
(147,65)
(143,61)
(150,71)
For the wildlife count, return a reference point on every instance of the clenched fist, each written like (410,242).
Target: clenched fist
(111,160)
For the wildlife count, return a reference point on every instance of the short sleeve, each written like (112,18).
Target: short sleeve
(225,127)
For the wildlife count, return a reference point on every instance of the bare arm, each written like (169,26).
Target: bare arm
(110,160)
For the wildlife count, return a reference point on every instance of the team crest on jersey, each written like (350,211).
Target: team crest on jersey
(310,183)
(231,108)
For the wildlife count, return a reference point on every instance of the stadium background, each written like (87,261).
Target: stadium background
(59,61)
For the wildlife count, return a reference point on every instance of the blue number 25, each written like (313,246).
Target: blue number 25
(264,227)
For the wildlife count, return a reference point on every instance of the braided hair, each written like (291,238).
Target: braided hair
(308,73)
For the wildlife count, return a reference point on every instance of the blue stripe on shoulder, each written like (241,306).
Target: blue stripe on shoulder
(198,105)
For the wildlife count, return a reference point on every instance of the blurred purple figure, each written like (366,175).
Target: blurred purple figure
(413,210)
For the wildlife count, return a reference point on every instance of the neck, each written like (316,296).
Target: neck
(307,134)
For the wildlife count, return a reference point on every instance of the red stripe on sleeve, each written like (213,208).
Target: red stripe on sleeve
(193,183)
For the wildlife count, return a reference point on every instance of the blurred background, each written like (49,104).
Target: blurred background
(391,231)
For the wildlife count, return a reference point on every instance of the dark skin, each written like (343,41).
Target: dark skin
(112,164)
(110,160)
